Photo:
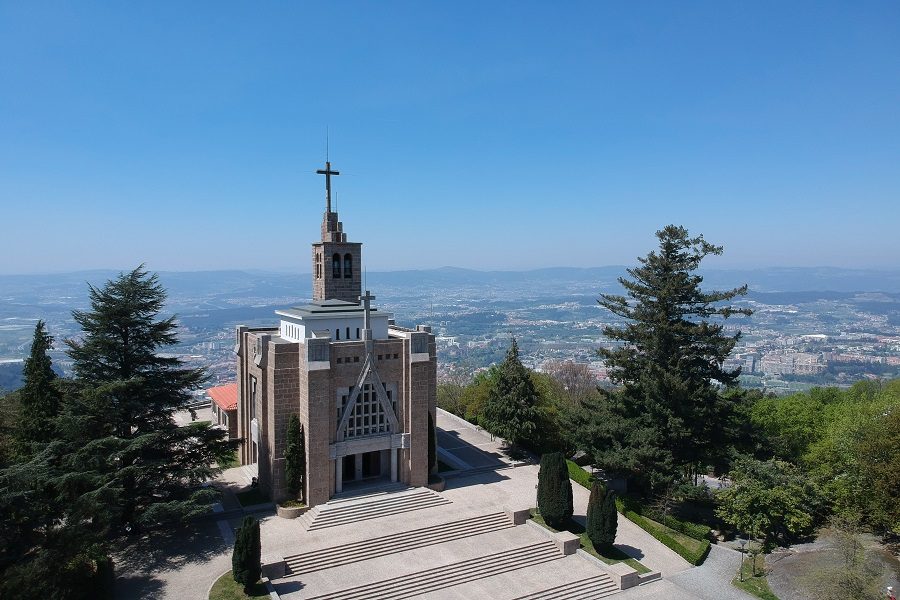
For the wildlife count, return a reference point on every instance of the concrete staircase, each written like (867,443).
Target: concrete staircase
(352,509)
(584,589)
(442,577)
(344,554)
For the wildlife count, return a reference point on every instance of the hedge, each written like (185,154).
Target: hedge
(579,475)
(632,509)
(655,529)
(694,530)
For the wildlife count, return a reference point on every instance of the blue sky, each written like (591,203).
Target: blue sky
(487,135)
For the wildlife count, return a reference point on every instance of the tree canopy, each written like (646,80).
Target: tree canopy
(511,407)
(668,416)
(38,397)
(114,455)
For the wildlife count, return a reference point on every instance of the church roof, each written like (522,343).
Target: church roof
(325,308)
(225,396)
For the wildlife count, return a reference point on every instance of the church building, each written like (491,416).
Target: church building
(362,387)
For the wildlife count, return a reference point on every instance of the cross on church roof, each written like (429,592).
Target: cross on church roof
(327,172)
(366,300)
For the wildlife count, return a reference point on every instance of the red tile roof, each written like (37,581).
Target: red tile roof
(225,396)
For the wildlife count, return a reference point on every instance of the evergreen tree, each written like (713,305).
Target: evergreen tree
(668,417)
(246,567)
(554,490)
(294,457)
(610,521)
(432,445)
(39,397)
(595,515)
(122,437)
(511,407)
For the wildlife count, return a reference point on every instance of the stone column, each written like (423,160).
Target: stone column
(393,465)
(338,474)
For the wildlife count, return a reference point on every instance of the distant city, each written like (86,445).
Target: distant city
(810,326)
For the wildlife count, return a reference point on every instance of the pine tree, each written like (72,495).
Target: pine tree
(39,397)
(118,422)
(246,567)
(669,416)
(294,457)
(554,490)
(511,407)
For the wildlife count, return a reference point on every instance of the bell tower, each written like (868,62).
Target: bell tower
(336,262)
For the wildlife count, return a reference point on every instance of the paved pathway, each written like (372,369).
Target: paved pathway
(183,564)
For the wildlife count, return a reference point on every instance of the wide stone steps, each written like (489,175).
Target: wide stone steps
(346,512)
(368,493)
(445,576)
(584,589)
(344,554)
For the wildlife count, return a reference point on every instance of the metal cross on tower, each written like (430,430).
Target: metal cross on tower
(327,172)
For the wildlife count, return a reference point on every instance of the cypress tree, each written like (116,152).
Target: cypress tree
(554,490)
(294,457)
(595,515)
(610,519)
(432,445)
(246,567)
(510,410)
(39,397)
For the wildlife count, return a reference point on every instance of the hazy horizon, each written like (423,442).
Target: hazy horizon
(299,271)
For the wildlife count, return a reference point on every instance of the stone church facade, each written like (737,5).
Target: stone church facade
(362,387)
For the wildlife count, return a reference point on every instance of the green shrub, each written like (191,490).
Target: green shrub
(245,559)
(695,557)
(602,518)
(554,490)
(694,530)
(579,475)
(294,456)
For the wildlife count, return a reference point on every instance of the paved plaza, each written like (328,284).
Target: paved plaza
(405,543)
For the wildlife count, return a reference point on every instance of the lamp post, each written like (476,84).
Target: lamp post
(742,543)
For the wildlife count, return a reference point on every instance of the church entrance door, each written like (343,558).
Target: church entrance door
(371,464)
(349,467)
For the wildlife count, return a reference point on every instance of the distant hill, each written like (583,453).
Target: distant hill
(71,288)
(780,279)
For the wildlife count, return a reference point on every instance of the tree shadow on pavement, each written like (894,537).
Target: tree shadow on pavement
(168,549)
(138,586)
(631,551)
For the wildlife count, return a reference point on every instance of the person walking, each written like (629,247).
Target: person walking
(890,593)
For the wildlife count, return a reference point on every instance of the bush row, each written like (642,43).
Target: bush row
(693,530)
(693,557)
(579,475)
(632,509)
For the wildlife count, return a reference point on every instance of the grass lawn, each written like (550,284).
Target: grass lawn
(251,497)
(757,586)
(611,556)
(226,588)
(231,462)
